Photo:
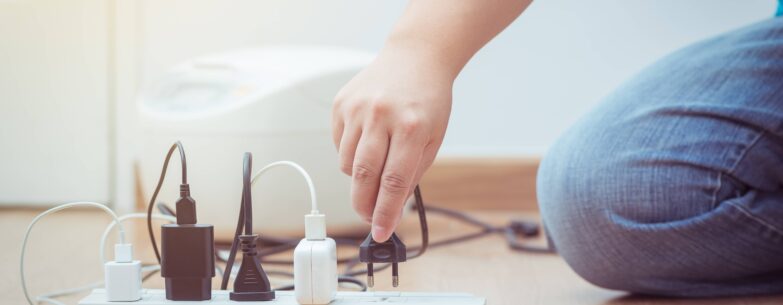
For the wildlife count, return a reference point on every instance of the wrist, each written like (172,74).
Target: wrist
(426,56)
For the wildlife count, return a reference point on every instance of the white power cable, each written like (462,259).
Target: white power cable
(297,167)
(49,297)
(315,222)
(50,211)
(122,218)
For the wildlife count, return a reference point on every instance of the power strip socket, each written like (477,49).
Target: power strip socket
(220,297)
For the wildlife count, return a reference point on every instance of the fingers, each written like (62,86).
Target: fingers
(337,132)
(338,122)
(366,171)
(398,176)
(347,148)
(427,158)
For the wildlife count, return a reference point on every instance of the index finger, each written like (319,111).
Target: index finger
(396,180)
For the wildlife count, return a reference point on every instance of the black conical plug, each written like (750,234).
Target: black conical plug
(251,283)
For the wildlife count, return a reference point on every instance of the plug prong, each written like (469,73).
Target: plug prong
(370,276)
(395,275)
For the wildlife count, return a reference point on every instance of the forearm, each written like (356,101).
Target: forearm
(447,33)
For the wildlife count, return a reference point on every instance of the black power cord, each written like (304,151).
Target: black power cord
(425,231)
(251,283)
(177,146)
(513,232)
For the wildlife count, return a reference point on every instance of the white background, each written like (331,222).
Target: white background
(523,89)
(70,71)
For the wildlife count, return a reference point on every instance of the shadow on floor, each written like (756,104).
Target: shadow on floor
(654,300)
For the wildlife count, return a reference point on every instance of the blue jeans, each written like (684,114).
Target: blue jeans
(672,186)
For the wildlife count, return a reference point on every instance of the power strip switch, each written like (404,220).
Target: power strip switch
(315,264)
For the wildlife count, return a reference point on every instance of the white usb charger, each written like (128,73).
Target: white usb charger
(315,263)
(315,257)
(123,275)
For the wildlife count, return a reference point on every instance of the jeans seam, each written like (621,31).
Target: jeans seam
(717,189)
(719,182)
(758,220)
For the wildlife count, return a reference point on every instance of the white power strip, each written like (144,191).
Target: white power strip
(158,297)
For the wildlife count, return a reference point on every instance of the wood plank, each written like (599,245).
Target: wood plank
(462,183)
(482,183)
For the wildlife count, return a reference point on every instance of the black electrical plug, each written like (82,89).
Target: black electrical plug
(251,283)
(187,260)
(186,206)
(390,251)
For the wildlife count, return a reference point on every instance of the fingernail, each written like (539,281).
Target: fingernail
(378,234)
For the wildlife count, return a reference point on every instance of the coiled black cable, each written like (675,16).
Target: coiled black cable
(177,146)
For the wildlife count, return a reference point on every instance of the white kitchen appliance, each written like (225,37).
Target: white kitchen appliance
(274,102)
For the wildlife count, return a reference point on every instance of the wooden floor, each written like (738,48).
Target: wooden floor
(63,254)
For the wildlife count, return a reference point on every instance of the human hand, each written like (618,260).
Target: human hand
(388,123)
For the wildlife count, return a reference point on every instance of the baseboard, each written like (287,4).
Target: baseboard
(465,183)
(482,183)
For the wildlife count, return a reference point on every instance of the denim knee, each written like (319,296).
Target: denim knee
(584,199)
(612,219)
(671,185)
(576,223)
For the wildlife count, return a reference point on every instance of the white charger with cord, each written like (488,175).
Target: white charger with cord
(315,263)
(315,257)
(120,283)
(123,275)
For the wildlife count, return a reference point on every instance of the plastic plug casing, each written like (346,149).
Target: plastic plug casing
(123,275)
(315,271)
(187,259)
(251,283)
(390,251)
(315,263)
(315,226)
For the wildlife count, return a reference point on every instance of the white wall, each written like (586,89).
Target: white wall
(55,110)
(562,56)
(515,97)
(63,63)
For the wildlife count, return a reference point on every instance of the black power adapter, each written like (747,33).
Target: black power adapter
(186,258)
(187,254)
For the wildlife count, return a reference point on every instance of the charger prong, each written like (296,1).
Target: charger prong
(370,276)
(395,275)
